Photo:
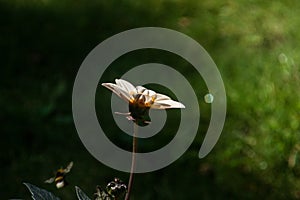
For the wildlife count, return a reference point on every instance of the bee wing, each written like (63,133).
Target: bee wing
(50,180)
(165,102)
(69,167)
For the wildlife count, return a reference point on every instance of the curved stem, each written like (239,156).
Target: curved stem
(134,146)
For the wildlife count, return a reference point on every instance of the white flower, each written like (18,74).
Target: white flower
(141,100)
(141,96)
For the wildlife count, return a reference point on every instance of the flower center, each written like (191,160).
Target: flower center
(139,109)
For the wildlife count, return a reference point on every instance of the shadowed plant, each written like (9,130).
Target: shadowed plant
(140,101)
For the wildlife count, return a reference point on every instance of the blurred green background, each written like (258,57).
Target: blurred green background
(255,45)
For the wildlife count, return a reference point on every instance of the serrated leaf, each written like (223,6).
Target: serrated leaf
(80,194)
(40,194)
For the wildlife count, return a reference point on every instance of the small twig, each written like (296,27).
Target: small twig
(134,146)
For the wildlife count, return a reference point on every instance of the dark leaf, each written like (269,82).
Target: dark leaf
(80,194)
(40,194)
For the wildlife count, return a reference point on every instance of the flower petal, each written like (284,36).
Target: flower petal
(149,93)
(166,104)
(160,97)
(140,89)
(118,91)
(125,85)
(150,98)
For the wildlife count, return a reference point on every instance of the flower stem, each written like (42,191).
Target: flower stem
(134,146)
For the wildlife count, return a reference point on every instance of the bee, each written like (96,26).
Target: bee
(140,100)
(60,176)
